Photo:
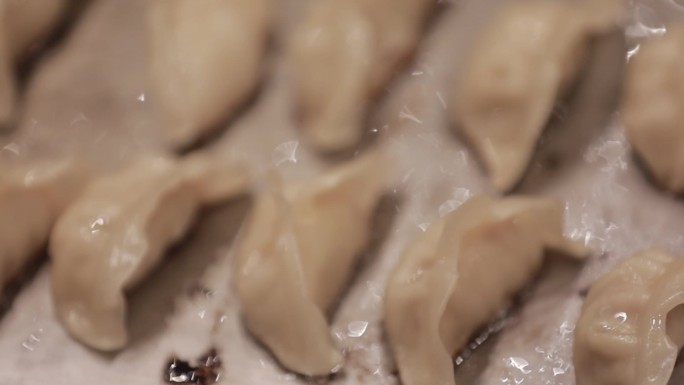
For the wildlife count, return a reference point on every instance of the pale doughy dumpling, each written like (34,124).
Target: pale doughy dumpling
(116,233)
(527,58)
(632,325)
(206,60)
(653,110)
(22,23)
(31,198)
(460,274)
(343,54)
(297,253)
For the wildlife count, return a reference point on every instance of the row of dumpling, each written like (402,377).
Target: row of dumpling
(205,60)
(529,57)
(107,233)
(291,265)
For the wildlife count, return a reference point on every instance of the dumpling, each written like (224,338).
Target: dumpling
(22,23)
(297,253)
(528,57)
(652,106)
(343,54)
(31,198)
(632,323)
(460,274)
(116,233)
(206,59)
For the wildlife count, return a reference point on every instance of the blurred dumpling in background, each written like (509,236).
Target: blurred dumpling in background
(297,253)
(91,94)
(343,54)
(205,60)
(528,57)
(462,272)
(22,23)
(118,231)
(31,198)
(632,324)
(653,106)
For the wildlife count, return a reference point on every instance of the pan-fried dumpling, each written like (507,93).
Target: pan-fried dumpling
(652,108)
(343,54)
(116,233)
(460,273)
(31,198)
(632,325)
(22,23)
(205,60)
(297,253)
(526,59)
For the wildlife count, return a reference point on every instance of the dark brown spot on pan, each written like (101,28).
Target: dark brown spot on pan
(207,371)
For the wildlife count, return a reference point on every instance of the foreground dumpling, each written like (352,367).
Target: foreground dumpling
(460,274)
(22,23)
(297,253)
(31,198)
(652,107)
(343,54)
(117,231)
(205,60)
(632,325)
(526,59)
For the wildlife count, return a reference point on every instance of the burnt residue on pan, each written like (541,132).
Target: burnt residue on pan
(207,371)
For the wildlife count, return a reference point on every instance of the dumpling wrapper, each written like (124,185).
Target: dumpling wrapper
(116,233)
(31,198)
(632,325)
(205,61)
(296,254)
(653,104)
(22,23)
(526,59)
(460,274)
(343,53)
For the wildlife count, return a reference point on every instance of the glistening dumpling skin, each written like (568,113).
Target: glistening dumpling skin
(460,274)
(206,60)
(526,59)
(22,23)
(343,54)
(116,233)
(652,106)
(297,252)
(632,323)
(31,198)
